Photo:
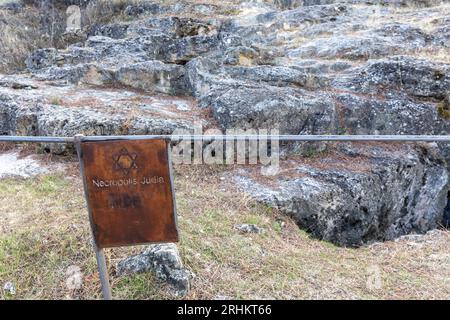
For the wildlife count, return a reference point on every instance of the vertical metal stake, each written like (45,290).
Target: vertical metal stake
(103,272)
(99,254)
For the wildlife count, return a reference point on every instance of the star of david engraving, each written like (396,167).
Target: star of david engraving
(125,161)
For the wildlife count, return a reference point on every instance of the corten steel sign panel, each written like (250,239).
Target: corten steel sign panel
(129,191)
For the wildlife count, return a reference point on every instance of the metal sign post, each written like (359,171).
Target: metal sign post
(129,193)
(99,253)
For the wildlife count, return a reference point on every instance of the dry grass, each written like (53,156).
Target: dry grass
(15,48)
(41,25)
(25,31)
(44,229)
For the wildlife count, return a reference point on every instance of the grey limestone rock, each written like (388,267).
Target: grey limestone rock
(303,67)
(376,194)
(162,259)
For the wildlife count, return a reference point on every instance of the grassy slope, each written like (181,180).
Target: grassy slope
(44,230)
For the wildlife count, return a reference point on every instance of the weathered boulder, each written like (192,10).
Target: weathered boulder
(287,4)
(416,77)
(292,111)
(175,27)
(441,36)
(62,121)
(392,115)
(408,3)
(162,259)
(409,35)
(145,7)
(241,55)
(113,51)
(115,31)
(33,108)
(109,53)
(367,44)
(12,6)
(346,47)
(308,14)
(249,228)
(73,36)
(232,70)
(42,58)
(97,49)
(303,67)
(267,26)
(86,73)
(277,76)
(153,76)
(279,96)
(185,49)
(359,194)
(9,288)
(199,75)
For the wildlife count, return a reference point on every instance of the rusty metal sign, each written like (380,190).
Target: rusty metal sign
(129,191)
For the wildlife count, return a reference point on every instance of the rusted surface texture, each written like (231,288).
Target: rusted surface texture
(129,192)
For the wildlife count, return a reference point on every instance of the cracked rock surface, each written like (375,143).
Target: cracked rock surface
(303,67)
(356,194)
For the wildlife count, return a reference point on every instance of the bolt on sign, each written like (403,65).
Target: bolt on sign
(129,191)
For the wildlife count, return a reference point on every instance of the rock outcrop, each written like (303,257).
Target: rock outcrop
(30,107)
(302,67)
(359,194)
